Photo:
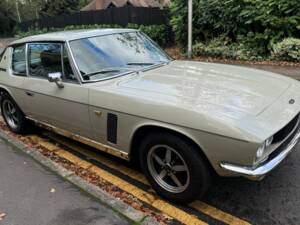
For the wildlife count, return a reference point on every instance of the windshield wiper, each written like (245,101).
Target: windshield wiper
(140,64)
(101,72)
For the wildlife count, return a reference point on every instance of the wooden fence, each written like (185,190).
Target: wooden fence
(121,16)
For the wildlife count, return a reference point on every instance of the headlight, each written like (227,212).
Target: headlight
(260,151)
(269,141)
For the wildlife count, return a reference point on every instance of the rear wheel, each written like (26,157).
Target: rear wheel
(13,116)
(174,167)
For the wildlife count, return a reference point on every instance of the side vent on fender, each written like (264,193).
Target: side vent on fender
(112,128)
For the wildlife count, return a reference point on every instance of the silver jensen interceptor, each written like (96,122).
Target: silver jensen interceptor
(182,121)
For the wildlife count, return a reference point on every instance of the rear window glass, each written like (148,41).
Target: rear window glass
(18,60)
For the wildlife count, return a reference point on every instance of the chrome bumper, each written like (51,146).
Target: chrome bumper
(259,172)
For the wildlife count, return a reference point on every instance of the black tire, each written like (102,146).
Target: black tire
(22,124)
(198,170)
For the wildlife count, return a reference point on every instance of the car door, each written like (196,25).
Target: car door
(13,72)
(63,107)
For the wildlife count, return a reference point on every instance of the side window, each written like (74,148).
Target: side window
(68,71)
(18,60)
(44,59)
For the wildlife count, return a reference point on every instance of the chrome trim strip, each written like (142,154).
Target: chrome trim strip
(27,59)
(73,63)
(259,172)
(84,140)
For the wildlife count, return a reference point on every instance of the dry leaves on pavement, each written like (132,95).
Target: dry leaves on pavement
(2,215)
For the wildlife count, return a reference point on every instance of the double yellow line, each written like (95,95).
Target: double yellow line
(142,195)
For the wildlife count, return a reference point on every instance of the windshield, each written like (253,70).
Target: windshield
(104,57)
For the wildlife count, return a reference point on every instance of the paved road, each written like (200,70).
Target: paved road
(274,200)
(26,197)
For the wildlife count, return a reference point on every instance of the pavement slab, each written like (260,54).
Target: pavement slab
(32,195)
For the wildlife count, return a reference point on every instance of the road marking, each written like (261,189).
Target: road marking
(51,147)
(144,196)
(103,160)
(198,205)
(72,158)
(217,214)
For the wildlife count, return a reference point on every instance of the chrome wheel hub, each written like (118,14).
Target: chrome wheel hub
(10,114)
(168,168)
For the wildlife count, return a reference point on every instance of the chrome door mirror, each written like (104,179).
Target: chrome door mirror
(56,77)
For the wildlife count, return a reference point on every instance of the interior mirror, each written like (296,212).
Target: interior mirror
(56,77)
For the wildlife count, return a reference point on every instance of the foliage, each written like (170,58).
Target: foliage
(288,49)
(157,32)
(223,47)
(253,23)
(59,7)
(7,21)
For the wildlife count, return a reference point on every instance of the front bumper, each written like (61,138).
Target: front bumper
(258,173)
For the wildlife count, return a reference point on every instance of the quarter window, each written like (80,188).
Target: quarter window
(44,59)
(18,60)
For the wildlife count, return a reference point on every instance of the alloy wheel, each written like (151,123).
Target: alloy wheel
(168,168)
(10,113)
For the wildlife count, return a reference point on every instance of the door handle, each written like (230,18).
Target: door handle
(29,94)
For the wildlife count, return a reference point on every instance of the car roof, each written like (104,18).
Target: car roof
(70,35)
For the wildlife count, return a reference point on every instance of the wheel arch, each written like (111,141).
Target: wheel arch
(149,128)
(4,89)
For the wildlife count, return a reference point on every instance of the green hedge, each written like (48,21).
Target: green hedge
(159,33)
(254,24)
(288,49)
(222,47)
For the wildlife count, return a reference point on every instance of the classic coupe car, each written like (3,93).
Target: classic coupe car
(183,121)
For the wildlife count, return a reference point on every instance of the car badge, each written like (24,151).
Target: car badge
(292,101)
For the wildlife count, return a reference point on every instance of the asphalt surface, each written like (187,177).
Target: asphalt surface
(32,195)
(274,200)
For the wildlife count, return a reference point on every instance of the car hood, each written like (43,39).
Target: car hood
(231,101)
(231,88)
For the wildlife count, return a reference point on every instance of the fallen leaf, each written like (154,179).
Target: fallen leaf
(2,215)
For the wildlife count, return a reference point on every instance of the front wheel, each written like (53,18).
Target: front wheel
(174,167)
(13,116)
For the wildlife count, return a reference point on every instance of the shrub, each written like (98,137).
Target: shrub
(288,49)
(260,23)
(158,33)
(223,47)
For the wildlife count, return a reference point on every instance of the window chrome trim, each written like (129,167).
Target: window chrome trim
(73,62)
(26,59)
(119,74)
